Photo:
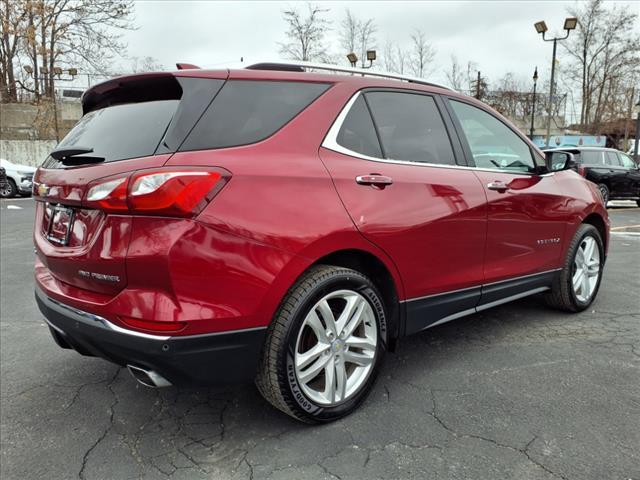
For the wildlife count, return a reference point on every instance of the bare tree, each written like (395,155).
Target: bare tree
(306,34)
(422,54)
(605,51)
(145,64)
(357,35)
(349,27)
(48,35)
(12,18)
(455,75)
(395,58)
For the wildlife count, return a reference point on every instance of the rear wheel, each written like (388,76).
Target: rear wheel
(8,189)
(324,346)
(604,191)
(575,288)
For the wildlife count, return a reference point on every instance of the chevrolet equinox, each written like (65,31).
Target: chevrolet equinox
(289,226)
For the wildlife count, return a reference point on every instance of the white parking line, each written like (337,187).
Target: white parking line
(631,234)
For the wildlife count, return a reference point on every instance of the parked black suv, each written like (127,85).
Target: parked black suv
(615,173)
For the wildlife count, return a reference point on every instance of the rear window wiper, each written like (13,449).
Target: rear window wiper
(69,155)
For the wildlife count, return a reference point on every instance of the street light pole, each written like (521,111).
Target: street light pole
(533,107)
(570,23)
(635,146)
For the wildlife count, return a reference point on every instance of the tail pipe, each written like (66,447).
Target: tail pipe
(148,378)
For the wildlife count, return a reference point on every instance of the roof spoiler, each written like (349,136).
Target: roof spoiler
(187,66)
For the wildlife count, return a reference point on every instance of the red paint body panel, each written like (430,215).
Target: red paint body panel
(431,220)
(523,224)
(287,204)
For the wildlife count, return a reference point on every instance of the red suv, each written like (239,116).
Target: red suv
(273,223)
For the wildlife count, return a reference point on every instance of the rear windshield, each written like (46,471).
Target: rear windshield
(157,115)
(247,111)
(123,131)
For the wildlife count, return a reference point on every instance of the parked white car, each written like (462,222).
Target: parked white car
(20,179)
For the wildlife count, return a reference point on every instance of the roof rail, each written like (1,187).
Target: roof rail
(300,66)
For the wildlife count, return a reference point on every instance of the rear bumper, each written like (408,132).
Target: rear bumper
(206,359)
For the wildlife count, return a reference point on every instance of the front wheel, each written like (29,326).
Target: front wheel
(577,284)
(8,189)
(324,346)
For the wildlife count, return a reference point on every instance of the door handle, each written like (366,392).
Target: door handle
(374,179)
(498,186)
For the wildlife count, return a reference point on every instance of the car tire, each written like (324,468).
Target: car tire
(604,191)
(571,291)
(638,202)
(285,376)
(8,190)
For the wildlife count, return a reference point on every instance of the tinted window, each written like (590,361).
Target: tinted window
(358,133)
(410,127)
(493,144)
(246,111)
(612,159)
(592,157)
(627,161)
(123,131)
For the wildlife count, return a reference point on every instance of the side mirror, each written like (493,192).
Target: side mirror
(557,161)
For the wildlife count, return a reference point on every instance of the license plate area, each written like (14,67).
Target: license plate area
(60,224)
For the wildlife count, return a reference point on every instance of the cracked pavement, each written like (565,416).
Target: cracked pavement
(517,392)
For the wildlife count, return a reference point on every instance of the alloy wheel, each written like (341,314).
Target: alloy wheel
(586,269)
(336,347)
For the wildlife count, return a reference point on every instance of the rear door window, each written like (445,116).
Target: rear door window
(612,159)
(248,111)
(411,127)
(592,157)
(358,133)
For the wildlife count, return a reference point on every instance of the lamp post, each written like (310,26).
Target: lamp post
(533,107)
(570,23)
(637,139)
(353,58)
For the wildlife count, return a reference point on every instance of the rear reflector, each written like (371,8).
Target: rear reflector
(154,326)
(174,192)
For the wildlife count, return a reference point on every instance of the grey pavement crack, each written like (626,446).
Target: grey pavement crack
(85,457)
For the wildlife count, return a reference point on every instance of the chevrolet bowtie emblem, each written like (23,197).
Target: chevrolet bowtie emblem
(42,190)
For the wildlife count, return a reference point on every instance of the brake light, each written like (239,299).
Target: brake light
(171,193)
(182,192)
(582,171)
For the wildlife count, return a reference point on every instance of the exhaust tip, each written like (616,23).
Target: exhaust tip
(148,378)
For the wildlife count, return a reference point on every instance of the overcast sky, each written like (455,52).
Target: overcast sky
(498,36)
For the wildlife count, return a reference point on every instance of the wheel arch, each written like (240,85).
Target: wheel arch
(356,253)
(370,265)
(598,222)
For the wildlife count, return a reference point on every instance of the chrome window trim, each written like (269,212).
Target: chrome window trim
(330,142)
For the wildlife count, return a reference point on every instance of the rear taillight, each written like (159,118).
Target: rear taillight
(176,192)
(582,171)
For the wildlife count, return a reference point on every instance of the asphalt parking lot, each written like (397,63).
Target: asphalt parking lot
(517,392)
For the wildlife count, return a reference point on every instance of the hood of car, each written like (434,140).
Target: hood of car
(6,164)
